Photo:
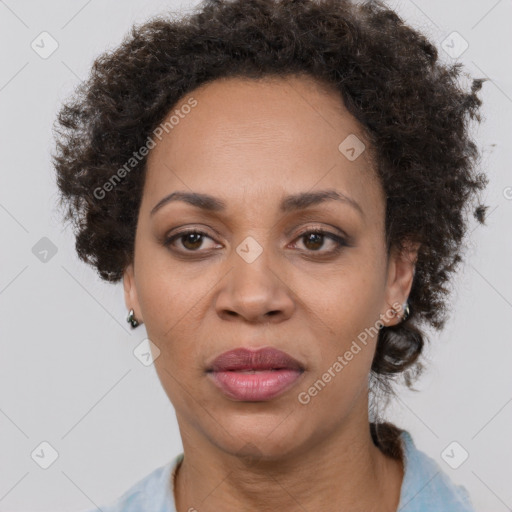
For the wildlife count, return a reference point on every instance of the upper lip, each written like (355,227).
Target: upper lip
(267,358)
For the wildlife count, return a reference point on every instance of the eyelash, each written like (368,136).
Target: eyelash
(340,241)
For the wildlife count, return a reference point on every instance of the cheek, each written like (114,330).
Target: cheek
(168,297)
(346,310)
(346,303)
(340,378)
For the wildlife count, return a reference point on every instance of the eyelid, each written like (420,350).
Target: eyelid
(339,232)
(317,226)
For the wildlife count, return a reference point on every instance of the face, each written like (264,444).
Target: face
(252,272)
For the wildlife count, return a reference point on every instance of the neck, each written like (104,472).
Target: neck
(342,471)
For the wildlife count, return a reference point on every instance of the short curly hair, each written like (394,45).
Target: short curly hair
(390,78)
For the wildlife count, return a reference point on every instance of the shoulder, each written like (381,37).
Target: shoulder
(426,487)
(152,492)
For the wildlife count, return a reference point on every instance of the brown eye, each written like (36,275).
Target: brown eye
(191,240)
(314,240)
(194,239)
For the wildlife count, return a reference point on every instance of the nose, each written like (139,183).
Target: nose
(255,292)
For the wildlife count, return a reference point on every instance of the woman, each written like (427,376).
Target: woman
(280,185)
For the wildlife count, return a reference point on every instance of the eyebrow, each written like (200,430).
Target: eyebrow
(288,204)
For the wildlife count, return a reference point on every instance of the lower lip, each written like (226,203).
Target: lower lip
(255,387)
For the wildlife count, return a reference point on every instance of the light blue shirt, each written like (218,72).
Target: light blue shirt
(425,487)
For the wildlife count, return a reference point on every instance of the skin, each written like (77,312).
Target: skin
(250,143)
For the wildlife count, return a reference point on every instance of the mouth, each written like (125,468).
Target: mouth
(264,359)
(254,376)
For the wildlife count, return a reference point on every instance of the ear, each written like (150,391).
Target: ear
(130,292)
(401,268)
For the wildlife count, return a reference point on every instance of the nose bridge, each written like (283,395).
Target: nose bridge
(254,287)
(253,261)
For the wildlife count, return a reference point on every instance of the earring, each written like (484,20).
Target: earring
(407,311)
(405,316)
(131,319)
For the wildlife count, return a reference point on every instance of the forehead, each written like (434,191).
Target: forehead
(245,136)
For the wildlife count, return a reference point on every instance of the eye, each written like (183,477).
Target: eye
(314,240)
(191,239)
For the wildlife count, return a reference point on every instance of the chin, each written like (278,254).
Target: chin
(261,436)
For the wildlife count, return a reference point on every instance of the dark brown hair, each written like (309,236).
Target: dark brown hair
(390,77)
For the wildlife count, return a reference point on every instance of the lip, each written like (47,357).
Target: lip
(272,372)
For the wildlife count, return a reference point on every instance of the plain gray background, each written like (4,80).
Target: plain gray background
(68,375)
